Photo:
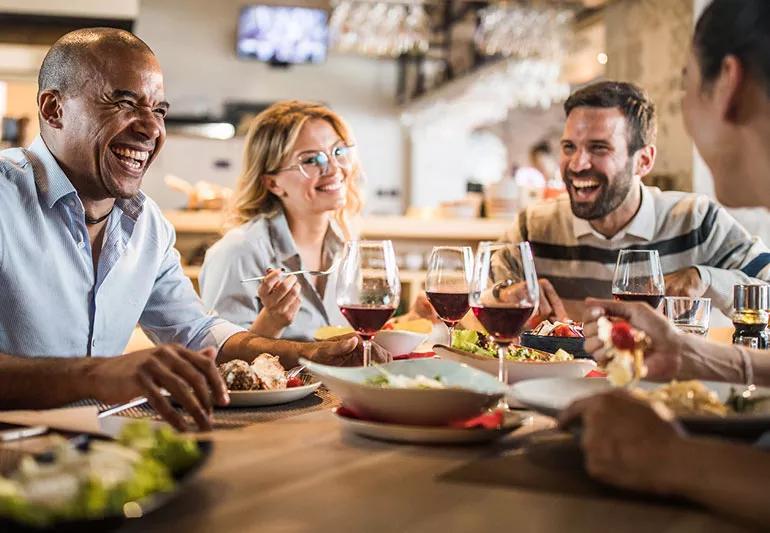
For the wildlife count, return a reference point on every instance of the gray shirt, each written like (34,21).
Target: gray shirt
(248,251)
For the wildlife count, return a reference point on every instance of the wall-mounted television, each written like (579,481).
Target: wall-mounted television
(283,35)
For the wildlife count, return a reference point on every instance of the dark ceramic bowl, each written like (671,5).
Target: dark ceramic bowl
(550,344)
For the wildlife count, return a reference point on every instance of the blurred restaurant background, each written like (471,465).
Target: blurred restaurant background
(455,104)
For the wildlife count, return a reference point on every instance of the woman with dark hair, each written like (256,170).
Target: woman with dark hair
(628,443)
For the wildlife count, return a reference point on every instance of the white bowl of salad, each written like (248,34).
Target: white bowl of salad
(428,392)
(475,349)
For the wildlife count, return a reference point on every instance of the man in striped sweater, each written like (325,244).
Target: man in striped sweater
(607,147)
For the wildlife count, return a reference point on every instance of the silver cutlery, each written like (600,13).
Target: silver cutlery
(326,272)
(115,409)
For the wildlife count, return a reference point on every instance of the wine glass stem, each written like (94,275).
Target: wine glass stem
(451,328)
(502,372)
(367,352)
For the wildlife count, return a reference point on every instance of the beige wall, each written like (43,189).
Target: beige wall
(648,43)
(21,102)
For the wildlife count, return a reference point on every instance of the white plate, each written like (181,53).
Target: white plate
(399,342)
(469,392)
(428,434)
(519,370)
(550,396)
(260,398)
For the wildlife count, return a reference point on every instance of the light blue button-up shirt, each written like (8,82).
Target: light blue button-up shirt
(52,302)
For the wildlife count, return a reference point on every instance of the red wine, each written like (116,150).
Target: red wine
(367,319)
(503,323)
(450,306)
(651,299)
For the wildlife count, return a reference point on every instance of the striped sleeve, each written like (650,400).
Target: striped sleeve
(733,257)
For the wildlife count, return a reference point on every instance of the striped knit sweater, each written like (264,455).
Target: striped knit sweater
(686,229)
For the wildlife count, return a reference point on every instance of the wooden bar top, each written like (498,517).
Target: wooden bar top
(305,474)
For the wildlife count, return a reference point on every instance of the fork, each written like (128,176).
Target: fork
(326,272)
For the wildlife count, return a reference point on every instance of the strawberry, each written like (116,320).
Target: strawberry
(622,337)
(294,382)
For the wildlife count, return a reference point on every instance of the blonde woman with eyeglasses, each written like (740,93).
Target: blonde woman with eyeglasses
(292,210)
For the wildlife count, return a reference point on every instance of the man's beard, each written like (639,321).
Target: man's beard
(611,194)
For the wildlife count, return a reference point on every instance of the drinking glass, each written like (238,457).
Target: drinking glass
(503,298)
(690,315)
(448,281)
(368,288)
(638,277)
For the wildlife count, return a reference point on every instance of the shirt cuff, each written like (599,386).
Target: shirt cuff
(217,334)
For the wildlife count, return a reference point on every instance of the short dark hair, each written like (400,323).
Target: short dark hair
(734,27)
(632,101)
(62,67)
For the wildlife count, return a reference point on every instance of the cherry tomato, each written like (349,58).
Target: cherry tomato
(565,330)
(294,382)
(622,336)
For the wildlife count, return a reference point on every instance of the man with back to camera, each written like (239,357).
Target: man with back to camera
(85,255)
(607,147)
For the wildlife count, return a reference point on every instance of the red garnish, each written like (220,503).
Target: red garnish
(388,326)
(296,381)
(565,330)
(622,337)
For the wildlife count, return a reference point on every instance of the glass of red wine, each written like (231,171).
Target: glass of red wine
(639,277)
(503,298)
(368,288)
(448,282)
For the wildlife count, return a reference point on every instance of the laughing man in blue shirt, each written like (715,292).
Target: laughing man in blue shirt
(85,256)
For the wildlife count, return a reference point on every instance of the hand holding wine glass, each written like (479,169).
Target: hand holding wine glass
(448,282)
(368,288)
(504,318)
(639,277)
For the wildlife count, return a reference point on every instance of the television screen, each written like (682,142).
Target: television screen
(283,34)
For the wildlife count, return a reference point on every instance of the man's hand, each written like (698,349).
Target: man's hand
(685,282)
(663,356)
(190,377)
(345,350)
(628,443)
(551,306)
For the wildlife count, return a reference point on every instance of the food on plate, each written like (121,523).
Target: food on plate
(689,398)
(624,347)
(400,381)
(264,373)
(269,371)
(547,328)
(327,332)
(72,484)
(420,325)
(686,398)
(238,375)
(478,343)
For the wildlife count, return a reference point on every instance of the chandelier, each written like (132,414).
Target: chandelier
(381,29)
(523,30)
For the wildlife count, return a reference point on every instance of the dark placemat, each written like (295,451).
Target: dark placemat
(547,461)
(238,417)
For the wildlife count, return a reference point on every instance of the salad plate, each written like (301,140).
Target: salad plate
(431,392)
(551,396)
(182,457)
(522,363)
(426,434)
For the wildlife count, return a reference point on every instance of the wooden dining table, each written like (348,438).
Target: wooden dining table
(305,473)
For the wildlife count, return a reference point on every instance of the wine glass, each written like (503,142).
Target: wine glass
(504,293)
(638,277)
(448,282)
(368,288)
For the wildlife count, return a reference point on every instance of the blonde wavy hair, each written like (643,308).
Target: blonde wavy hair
(270,139)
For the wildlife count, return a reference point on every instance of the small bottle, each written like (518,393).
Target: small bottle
(750,316)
